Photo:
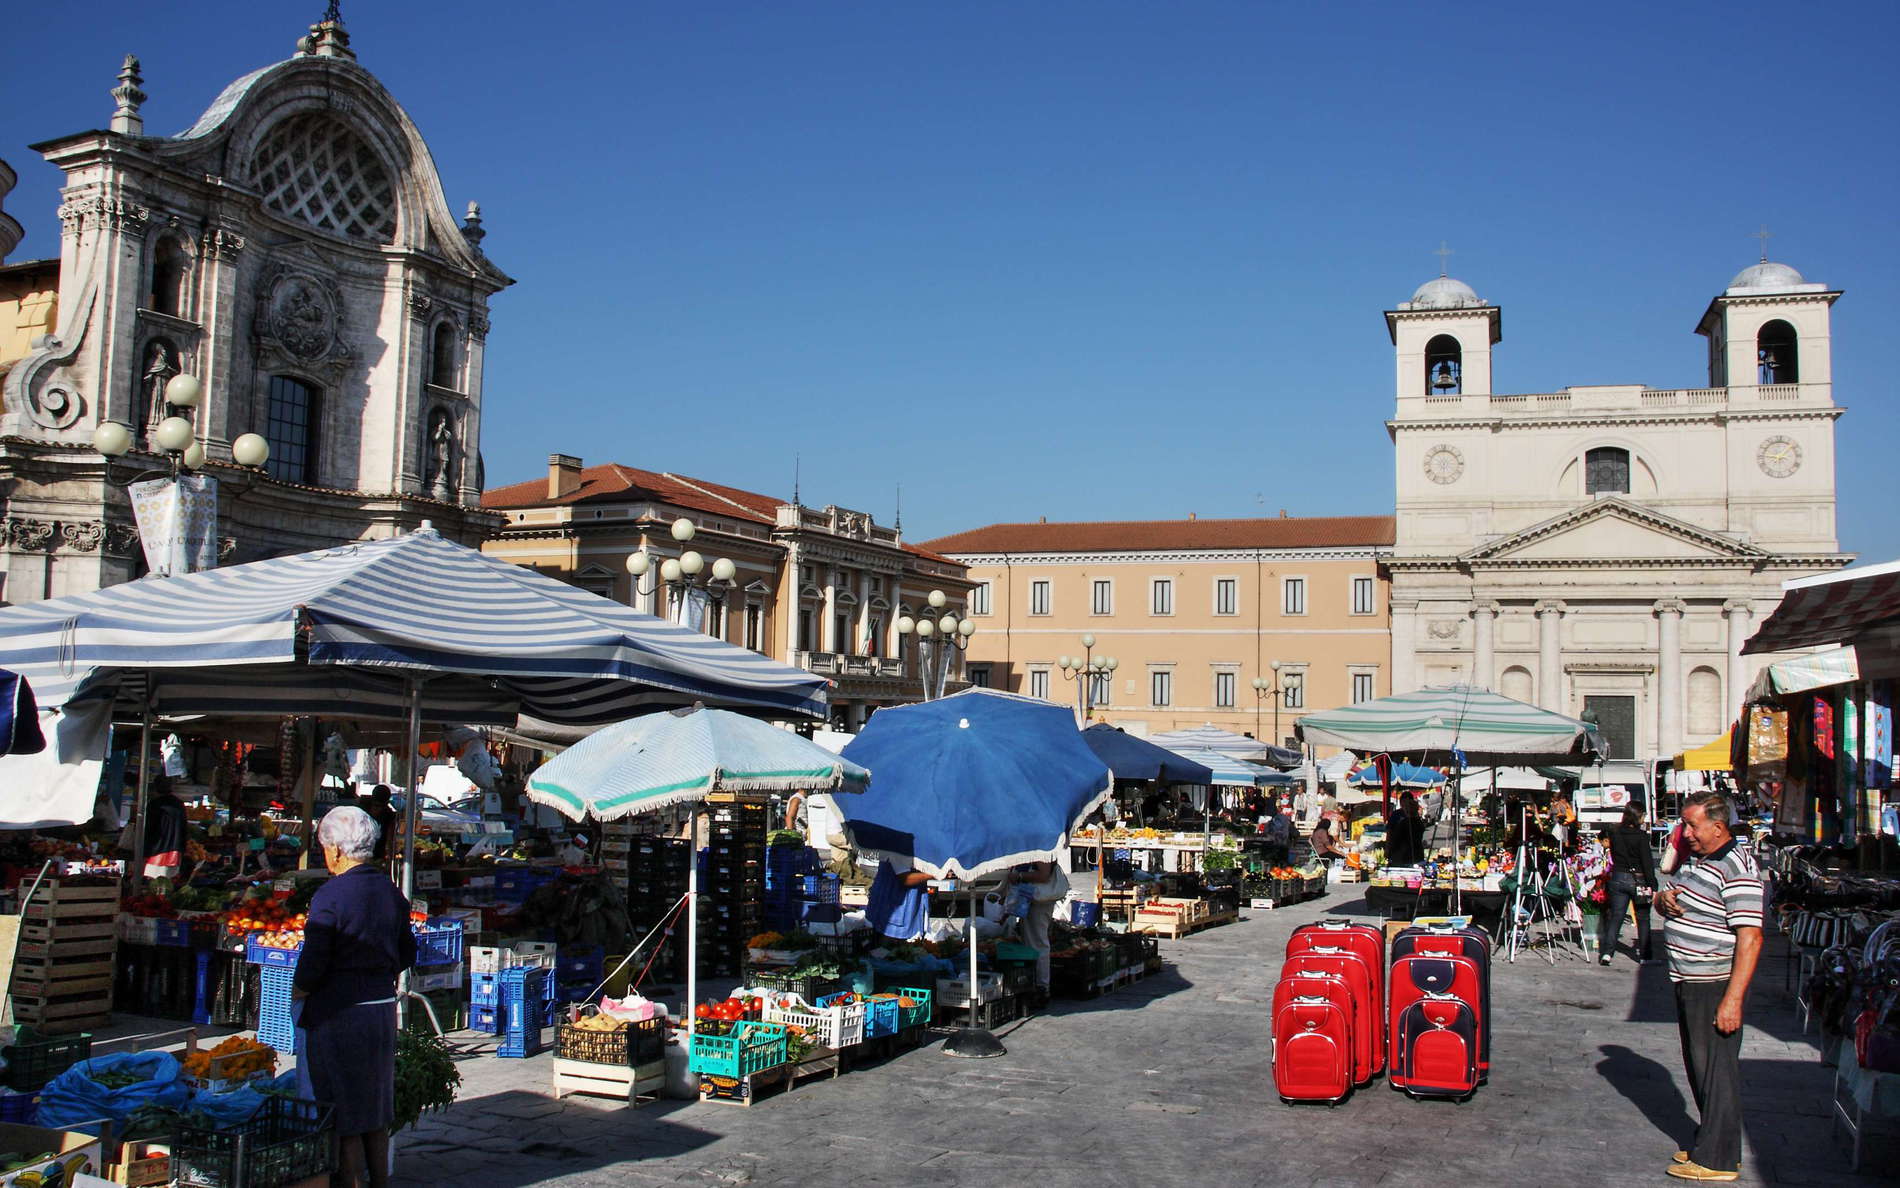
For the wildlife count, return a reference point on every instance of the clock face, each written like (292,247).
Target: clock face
(1443,464)
(1779,456)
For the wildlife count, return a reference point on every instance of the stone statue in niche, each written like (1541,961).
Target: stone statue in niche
(441,445)
(160,365)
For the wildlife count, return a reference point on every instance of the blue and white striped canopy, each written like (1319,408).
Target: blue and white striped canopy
(1457,723)
(276,637)
(1228,770)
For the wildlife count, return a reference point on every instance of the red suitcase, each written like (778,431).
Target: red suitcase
(1363,939)
(1456,942)
(1435,1043)
(1312,1052)
(1437,975)
(1313,984)
(1367,1031)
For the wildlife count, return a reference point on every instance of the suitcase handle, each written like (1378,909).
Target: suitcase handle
(1331,951)
(1310,999)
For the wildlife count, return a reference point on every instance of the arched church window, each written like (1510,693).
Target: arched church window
(1444,366)
(1776,354)
(169,270)
(1606,471)
(290,426)
(442,356)
(315,168)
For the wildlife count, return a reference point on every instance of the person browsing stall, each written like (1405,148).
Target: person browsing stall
(1046,884)
(1322,838)
(356,943)
(1713,908)
(898,904)
(1632,881)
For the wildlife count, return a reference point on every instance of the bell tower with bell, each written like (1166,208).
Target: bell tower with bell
(1443,338)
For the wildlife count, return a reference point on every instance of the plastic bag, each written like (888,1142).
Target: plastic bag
(74,1096)
(633,1008)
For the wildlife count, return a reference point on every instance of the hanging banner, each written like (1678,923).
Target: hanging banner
(178,523)
(1879,756)
(693,603)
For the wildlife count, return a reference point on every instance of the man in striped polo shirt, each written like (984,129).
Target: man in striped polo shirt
(1713,909)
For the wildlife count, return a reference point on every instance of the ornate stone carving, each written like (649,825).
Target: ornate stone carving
(302,318)
(119,215)
(420,304)
(82,536)
(54,406)
(478,324)
(226,546)
(122,540)
(29,534)
(436,478)
(1443,629)
(222,244)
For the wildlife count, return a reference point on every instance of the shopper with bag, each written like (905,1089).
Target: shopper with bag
(1631,883)
(1047,885)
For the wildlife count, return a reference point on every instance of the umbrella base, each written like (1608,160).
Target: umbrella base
(973,1043)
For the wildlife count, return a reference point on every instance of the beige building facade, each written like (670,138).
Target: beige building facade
(820,588)
(1604,551)
(1194,613)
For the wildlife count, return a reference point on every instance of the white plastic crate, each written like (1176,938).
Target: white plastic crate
(488,959)
(989,988)
(446,978)
(837,1026)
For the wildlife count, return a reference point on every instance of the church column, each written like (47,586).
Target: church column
(1741,624)
(828,627)
(1404,641)
(1484,655)
(1550,672)
(1669,677)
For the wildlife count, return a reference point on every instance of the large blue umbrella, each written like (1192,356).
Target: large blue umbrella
(972,783)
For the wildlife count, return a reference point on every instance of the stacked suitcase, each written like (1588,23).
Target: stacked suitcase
(1338,1022)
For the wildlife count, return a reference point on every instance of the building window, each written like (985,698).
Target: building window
(1606,471)
(1362,596)
(1293,596)
(169,270)
(873,636)
(1444,367)
(1100,686)
(980,599)
(1101,597)
(1039,598)
(1361,687)
(1226,596)
(290,426)
(1776,354)
(807,640)
(1161,687)
(841,632)
(755,626)
(1161,597)
(442,357)
(1294,686)
(1224,682)
(1039,683)
(979,675)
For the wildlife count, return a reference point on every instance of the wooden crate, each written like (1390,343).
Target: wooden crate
(637,1084)
(1175,930)
(40,978)
(88,948)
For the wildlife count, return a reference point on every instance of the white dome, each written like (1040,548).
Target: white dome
(1443,292)
(1767,275)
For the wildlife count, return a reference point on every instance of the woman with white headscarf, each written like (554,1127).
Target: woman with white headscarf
(356,942)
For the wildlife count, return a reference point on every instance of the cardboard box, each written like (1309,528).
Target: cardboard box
(76,1151)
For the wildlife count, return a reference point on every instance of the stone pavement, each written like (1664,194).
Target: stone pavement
(1168,1082)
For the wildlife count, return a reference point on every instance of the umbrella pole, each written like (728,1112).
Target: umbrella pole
(692,925)
(138,806)
(1457,847)
(970,1041)
(409,802)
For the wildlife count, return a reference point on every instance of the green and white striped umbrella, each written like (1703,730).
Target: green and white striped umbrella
(652,761)
(1456,723)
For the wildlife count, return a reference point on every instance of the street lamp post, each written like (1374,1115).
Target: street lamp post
(937,641)
(1085,670)
(1276,687)
(676,574)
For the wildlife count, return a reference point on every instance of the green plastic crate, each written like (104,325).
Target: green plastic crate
(908,1017)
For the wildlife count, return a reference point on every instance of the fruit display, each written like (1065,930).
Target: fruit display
(237,1058)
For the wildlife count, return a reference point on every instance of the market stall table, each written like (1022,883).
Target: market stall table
(1390,902)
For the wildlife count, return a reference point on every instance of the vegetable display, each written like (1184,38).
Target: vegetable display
(426,1076)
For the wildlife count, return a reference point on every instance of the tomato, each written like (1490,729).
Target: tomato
(703,1011)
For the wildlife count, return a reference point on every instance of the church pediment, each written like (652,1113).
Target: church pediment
(1613,530)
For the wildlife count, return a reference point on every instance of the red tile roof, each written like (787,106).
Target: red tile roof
(1110,536)
(611,482)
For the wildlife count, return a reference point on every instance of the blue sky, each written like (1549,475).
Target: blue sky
(1077,260)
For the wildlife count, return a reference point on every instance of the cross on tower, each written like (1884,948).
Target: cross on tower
(1764,235)
(1443,253)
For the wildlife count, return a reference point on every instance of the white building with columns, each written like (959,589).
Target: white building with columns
(1604,551)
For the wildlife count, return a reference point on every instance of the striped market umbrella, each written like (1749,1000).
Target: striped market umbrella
(1459,724)
(660,759)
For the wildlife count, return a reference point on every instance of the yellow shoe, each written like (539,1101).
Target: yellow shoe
(1690,1170)
(1680,1157)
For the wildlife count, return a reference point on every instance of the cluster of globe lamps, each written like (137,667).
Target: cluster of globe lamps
(176,435)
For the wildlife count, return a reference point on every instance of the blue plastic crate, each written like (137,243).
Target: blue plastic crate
(880,1014)
(269,956)
(579,964)
(484,989)
(486,1018)
(439,942)
(274,993)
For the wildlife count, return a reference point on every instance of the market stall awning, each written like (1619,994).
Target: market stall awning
(1710,756)
(415,605)
(1209,737)
(1830,608)
(1455,723)
(1404,775)
(1796,674)
(1228,771)
(1131,758)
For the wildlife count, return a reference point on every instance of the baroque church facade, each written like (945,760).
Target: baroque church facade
(293,250)
(1605,551)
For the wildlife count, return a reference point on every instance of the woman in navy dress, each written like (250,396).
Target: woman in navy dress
(356,942)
